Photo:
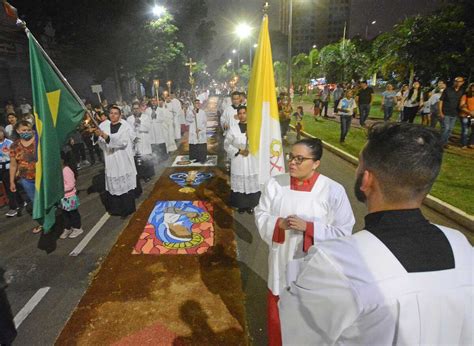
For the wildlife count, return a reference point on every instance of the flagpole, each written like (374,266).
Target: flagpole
(55,68)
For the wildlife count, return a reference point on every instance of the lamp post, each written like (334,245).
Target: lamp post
(367,28)
(158,10)
(250,54)
(168,83)
(243,30)
(290,38)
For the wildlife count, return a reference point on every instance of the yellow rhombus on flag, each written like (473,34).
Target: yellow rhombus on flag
(57,113)
(264,134)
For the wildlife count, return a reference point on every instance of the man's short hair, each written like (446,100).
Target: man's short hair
(241,107)
(115,107)
(405,158)
(235,93)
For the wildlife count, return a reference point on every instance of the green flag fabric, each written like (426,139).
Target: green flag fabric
(57,113)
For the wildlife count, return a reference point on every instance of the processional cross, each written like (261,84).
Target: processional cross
(191,64)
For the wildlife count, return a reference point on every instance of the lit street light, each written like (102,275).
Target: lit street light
(367,28)
(158,10)
(243,30)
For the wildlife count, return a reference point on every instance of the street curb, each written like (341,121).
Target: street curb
(448,210)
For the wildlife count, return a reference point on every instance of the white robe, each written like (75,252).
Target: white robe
(120,171)
(143,131)
(175,107)
(228,117)
(354,291)
(197,121)
(326,205)
(158,135)
(168,129)
(244,170)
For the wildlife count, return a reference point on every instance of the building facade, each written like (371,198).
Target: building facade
(315,22)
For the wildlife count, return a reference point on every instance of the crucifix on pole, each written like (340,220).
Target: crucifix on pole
(191,64)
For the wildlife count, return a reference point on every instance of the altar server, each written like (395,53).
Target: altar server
(197,120)
(175,108)
(400,281)
(229,115)
(116,138)
(244,184)
(297,210)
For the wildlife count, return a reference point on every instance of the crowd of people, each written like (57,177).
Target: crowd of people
(391,283)
(438,106)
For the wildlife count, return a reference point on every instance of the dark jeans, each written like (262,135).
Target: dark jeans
(345,126)
(447,126)
(93,149)
(72,219)
(387,112)
(409,114)
(434,119)
(14,198)
(336,103)
(324,108)
(466,125)
(364,111)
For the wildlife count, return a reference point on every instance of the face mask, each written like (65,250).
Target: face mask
(26,135)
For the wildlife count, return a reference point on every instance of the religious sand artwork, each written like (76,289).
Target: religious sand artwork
(183,161)
(190,180)
(177,228)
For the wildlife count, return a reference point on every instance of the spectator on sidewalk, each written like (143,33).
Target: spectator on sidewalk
(364,100)
(467,118)
(25,107)
(337,96)
(388,102)
(316,106)
(79,149)
(400,281)
(347,109)
(285,112)
(413,102)
(401,101)
(23,162)
(325,98)
(14,199)
(434,102)
(298,121)
(10,128)
(449,107)
(425,110)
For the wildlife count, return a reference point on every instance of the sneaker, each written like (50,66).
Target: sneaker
(11,213)
(76,232)
(65,233)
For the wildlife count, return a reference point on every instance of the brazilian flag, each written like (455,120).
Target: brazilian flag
(57,112)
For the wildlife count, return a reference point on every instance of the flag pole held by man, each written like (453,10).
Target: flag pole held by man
(263,123)
(58,111)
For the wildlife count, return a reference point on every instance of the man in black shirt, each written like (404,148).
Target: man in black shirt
(364,100)
(449,108)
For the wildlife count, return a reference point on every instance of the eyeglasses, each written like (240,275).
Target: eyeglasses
(298,159)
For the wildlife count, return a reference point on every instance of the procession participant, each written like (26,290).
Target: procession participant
(285,111)
(141,123)
(245,189)
(228,117)
(197,120)
(168,126)
(297,210)
(402,280)
(158,146)
(116,138)
(174,106)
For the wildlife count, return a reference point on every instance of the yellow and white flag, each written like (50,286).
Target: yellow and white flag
(264,133)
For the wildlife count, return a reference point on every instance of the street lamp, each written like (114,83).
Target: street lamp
(158,10)
(243,30)
(314,46)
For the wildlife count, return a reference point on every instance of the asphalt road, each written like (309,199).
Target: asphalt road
(34,262)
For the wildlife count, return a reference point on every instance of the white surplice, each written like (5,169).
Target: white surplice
(120,171)
(168,128)
(175,107)
(197,121)
(326,205)
(229,117)
(143,129)
(244,170)
(354,291)
(157,125)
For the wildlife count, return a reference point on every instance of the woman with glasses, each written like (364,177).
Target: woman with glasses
(297,210)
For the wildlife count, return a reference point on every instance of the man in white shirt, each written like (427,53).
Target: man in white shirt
(229,115)
(25,107)
(197,120)
(400,281)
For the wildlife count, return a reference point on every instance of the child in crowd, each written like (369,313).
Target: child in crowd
(70,201)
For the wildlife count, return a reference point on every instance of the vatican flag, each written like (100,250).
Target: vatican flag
(264,133)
